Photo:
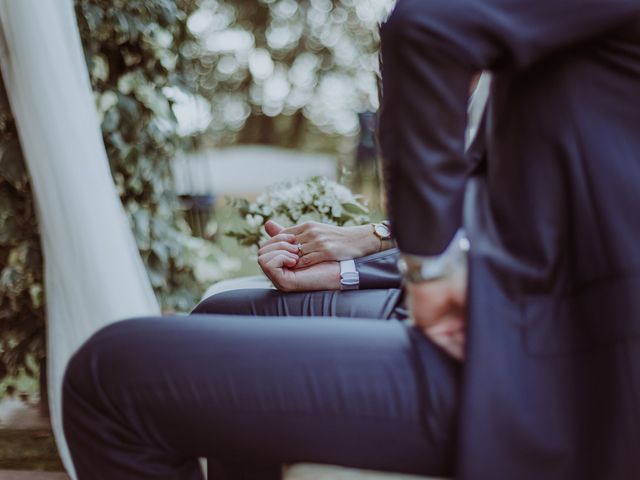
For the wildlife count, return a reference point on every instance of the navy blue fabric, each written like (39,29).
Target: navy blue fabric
(550,387)
(379,270)
(370,303)
(144,398)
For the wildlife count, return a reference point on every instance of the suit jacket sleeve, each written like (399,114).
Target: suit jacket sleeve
(379,270)
(430,51)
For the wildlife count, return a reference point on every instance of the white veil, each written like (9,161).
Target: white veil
(93,272)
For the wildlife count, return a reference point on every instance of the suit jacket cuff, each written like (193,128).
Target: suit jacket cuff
(379,270)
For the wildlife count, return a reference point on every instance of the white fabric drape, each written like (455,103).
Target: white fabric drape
(93,272)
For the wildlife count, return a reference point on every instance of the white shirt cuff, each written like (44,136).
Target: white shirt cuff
(349,276)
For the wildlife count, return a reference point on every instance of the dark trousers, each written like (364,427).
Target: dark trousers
(144,398)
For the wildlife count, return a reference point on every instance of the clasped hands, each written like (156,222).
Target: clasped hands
(437,307)
(305,257)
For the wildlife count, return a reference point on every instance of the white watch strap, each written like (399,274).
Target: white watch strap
(349,276)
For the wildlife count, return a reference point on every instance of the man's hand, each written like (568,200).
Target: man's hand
(280,267)
(438,308)
(321,242)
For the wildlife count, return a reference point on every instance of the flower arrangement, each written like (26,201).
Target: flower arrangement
(291,203)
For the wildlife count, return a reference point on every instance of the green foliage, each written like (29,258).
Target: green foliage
(291,203)
(21,277)
(293,73)
(134,52)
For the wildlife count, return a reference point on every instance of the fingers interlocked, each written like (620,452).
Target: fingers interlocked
(282,241)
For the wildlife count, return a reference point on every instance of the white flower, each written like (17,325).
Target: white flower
(317,199)
(336,210)
(308,217)
(343,194)
(254,221)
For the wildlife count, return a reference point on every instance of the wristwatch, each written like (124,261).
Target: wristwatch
(382,231)
(416,269)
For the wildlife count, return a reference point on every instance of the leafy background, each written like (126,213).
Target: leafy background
(21,290)
(280,72)
(295,73)
(134,53)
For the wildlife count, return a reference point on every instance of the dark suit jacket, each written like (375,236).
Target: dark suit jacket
(552,376)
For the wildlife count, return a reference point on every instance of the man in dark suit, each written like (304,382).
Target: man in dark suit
(551,383)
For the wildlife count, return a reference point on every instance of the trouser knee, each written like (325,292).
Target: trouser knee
(223,302)
(82,382)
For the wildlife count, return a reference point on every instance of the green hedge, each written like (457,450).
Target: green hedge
(21,290)
(133,50)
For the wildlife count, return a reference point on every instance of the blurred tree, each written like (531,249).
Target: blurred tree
(277,69)
(135,53)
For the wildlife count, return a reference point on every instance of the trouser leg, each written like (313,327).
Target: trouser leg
(144,398)
(372,303)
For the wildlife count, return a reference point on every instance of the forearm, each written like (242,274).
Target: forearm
(365,242)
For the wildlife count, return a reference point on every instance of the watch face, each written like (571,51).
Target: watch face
(382,231)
